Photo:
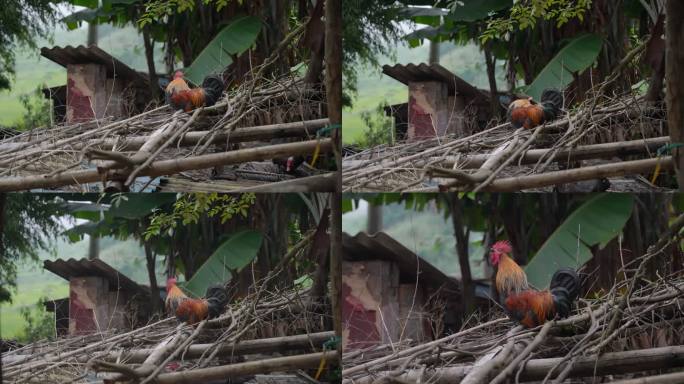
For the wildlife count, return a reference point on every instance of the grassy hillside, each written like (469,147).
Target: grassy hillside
(33,70)
(374,88)
(33,282)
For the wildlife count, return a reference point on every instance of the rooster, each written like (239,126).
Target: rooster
(176,85)
(180,96)
(527,113)
(174,296)
(510,278)
(527,306)
(192,311)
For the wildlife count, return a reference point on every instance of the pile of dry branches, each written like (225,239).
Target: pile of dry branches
(626,130)
(633,330)
(246,340)
(166,142)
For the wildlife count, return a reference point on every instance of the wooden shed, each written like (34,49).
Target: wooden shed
(98,85)
(439,103)
(100,297)
(389,294)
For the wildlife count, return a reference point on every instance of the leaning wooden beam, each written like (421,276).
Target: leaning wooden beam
(287,363)
(622,168)
(258,133)
(167,167)
(583,152)
(594,151)
(609,363)
(246,347)
(319,183)
(512,184)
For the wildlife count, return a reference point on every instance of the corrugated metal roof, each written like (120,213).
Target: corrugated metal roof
(433,72)
(92,54)
(96,267)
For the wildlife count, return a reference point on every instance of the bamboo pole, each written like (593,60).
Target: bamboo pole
(319,183)
(287,363)
(239,135)
(592,151)
(246,347)
(587,366)
(167,167)
(511,184)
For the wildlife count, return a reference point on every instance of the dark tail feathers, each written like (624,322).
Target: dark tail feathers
(551,101)
(565,288)
(213,89)
(217,298)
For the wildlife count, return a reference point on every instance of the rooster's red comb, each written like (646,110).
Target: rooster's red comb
(503,246)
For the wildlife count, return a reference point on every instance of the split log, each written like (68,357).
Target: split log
(593,151)
(274,344)
(167,167)
(584,152)
(607,364)
(239,135)
(287,363)
(319,183)
(512,184)
(668,378)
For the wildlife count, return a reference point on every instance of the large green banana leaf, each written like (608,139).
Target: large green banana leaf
(233,254)
(233,39)
(597,221)
(579,54)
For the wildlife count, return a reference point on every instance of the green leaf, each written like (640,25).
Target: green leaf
(85,3)
(473,10)
(138,205)
(596,222)
(233,254)
(578,55)
(232,40)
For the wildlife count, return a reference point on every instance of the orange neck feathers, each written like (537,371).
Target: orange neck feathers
(510,277)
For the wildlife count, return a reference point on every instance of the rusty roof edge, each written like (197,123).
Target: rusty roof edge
(436,71)
(72,267)
(392,245)
(60,56)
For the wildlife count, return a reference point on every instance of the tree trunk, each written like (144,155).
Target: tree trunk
(92,34)
(149,56)
(490,61)
(462,251)
(93,247)
(433,57)
(336,251)
(333,74)
(374,218)
(674,62)
(3,204)
(319,253)
(151,273)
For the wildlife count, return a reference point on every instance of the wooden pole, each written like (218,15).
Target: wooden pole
(287,363)
(511,184)
(584,152)
(239,135)
(318,183)
(586,366)
(674,81)
(167,167)
(333,86)
(311,341)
